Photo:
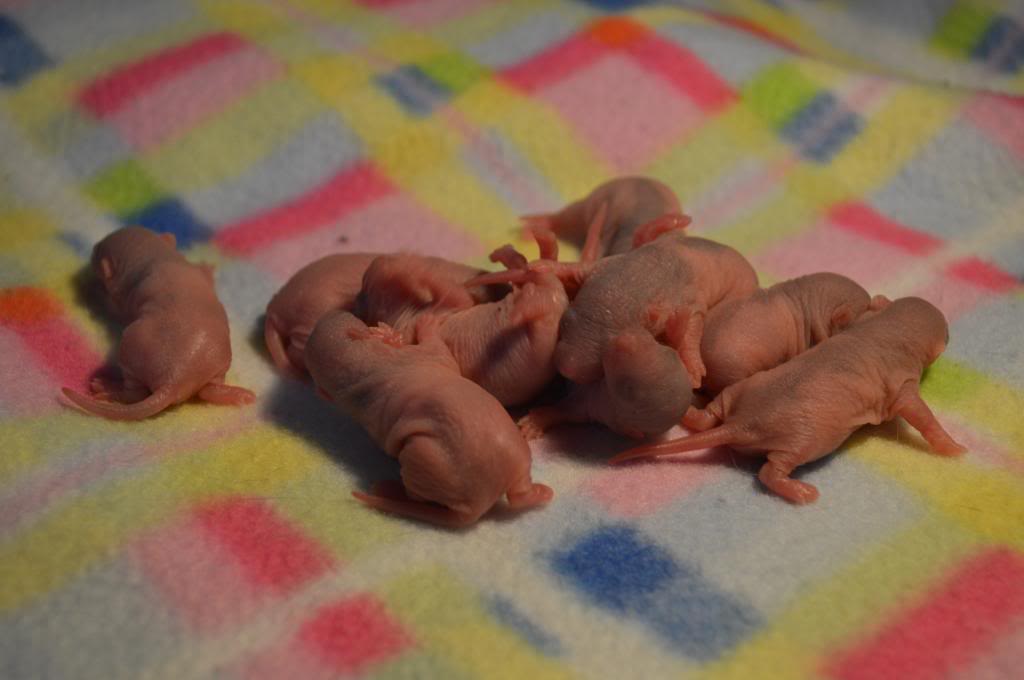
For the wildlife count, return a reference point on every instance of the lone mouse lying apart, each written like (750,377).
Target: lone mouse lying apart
(508,346)
(804,409)
(458,449)
(176,342)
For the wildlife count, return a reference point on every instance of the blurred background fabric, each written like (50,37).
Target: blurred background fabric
(881,140)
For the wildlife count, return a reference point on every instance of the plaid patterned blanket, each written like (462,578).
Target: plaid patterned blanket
(884,141)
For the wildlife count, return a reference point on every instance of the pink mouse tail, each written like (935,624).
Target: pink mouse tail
(111,410)
(275,344)
(718,436)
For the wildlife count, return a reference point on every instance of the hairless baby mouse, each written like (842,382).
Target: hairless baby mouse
(507,347)
(396,288)
(176,343)
(631,202)
(458,449)
(744,336)
(643,392)
(664,287)
(327,284)
(805,408)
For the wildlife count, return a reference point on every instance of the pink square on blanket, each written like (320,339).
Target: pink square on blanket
(947,627)
(226,558)
(170,109)
(274,555)
(396,222)
(826,247)
(197,577)
(347,637)
(354,633)
(622,110)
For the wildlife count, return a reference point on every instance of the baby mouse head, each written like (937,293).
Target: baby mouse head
(119,258)
(921,321)
(466,463)
(648,387)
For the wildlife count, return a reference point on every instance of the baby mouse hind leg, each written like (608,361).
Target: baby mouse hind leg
(915,411)
(534,495)
(774,474)
(684,329)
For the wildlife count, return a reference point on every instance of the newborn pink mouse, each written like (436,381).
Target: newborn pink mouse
(458,449)
(742,337)
(507,347)
(804,409)
(396,288)
(176,344)
(631,202)
(643,392)
(664,287)
(327,284)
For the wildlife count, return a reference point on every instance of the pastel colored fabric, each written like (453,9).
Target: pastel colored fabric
(883,141)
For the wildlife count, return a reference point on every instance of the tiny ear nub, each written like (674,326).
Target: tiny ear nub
(841,318)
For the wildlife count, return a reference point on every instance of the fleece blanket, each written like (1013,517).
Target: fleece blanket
(884,141)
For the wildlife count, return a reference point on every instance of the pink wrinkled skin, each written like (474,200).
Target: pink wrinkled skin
(176,343)
(507,347)
(401,284)
(742,337)
(458,449)
(664,287)
(644,391)
(327,284)
(396,288)
(631,202)
(807,407)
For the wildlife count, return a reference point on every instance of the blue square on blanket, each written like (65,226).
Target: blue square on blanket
(170,216)
(619,569)
(822,128)
(20,56)
(1001,45)
(414,90)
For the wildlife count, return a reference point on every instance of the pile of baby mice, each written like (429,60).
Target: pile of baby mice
(428,354)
